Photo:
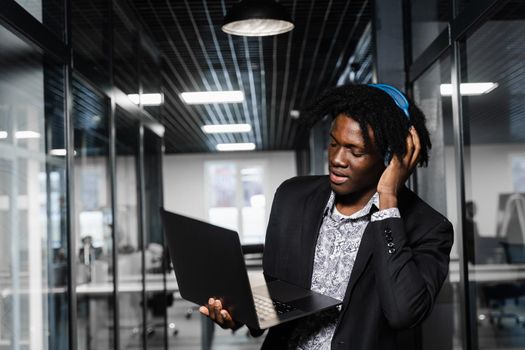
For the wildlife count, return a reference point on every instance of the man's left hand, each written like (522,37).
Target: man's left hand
(398,171)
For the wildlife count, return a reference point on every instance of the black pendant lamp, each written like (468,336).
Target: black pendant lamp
(257,18)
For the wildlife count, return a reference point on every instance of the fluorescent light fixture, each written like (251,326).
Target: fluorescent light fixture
(58,152)
(23,134)
(27,134)
(146,99)
(235,146)
(468,89)
(218,128)
(203,97)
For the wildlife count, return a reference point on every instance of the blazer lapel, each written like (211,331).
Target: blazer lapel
(312,219)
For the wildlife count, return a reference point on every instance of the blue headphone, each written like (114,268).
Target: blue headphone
(400,100)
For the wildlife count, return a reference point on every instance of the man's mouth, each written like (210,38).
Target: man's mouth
(337,178)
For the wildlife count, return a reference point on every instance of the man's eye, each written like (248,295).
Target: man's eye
(357,155)
(333,144)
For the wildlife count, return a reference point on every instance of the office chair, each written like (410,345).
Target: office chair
(498,294)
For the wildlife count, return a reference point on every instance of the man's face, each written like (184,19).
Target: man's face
(353,168)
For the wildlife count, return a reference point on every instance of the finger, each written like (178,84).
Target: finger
(204,310)
(410,149)
(227,318)
(217,310)
(417,147)
(211,308)
(218,314)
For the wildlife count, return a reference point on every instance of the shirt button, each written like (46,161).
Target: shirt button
(391,250)
(390,244)
(388,230)
(389,238)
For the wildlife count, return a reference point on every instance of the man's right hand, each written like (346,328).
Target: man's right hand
(219,315)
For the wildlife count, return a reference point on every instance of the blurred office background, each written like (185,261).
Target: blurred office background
(95,138)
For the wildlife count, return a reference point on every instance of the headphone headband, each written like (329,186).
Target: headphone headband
(398,97)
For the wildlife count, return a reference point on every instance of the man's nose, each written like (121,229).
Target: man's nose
(337,158)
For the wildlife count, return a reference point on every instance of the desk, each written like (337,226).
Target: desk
(488,272)
(130,284)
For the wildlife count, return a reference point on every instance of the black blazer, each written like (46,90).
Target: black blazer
(389,293)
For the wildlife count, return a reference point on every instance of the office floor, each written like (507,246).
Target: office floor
(507,337)
(189,332)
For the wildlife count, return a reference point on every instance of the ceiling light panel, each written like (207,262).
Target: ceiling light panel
(146,99)
(225,128)
(225,147)
(468,89)
(205,97)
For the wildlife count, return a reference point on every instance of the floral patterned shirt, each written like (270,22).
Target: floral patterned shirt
(335,254)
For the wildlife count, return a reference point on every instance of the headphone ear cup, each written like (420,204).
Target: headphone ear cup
(388,157)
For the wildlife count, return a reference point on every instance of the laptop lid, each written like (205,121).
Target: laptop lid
(208,262)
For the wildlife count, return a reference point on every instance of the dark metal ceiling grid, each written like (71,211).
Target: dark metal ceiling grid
(277,74)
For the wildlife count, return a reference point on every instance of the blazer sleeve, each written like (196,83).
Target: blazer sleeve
(409,277)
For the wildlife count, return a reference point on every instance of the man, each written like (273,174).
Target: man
(358,234)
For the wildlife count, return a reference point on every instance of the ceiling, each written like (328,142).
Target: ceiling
(277,74)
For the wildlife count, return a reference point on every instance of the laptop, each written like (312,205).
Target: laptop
(209,262)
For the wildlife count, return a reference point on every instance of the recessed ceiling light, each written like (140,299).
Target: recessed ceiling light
(295,114)
(203,97)
(27,134)
(22,134)
(468,89)
(235,146)
(219,128)
(58,152)
(146,99)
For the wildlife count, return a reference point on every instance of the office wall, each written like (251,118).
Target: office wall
(184,190)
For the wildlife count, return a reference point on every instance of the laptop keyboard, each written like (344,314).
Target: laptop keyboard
(267,308)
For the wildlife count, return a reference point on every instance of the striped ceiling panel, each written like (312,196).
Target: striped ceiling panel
(277,74)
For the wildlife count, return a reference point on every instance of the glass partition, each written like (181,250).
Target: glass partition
(129,245)
(93,219)
(157,300)
(90,26)
(33,244)
(429,19)
(125,63)
(437,186)
(48,12)
(493,106)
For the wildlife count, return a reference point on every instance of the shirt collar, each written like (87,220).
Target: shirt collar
(371,206)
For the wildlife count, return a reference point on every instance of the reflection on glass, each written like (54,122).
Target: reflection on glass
(150,79)
(48,12)
(157,300)
(124,51)
(495,198)
(33,244)
(436,185)
(236,198)
(429,19)
(90,44)
(222,207)
(129,244)
(93,219)
(253,204)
